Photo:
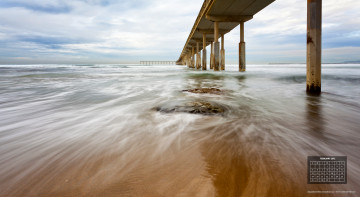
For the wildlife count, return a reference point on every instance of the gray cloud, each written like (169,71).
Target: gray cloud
(130,30)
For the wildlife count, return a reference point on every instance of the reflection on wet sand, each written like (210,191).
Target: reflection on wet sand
(250,163)
(314,116)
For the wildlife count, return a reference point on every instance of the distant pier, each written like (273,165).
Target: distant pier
(218,17)
(157,62)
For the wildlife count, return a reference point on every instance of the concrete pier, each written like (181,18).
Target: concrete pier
(313,55)
(204,53)
(192,57)
(216,56)
(216,46)
(222,53)
(198,57)
(242,60)
(222,16)
(188,60)
(212,56)
(226,15)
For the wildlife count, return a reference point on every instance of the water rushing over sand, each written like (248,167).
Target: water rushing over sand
(92,130)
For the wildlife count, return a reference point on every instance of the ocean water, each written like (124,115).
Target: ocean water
(93,130)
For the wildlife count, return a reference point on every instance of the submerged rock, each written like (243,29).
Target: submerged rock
(195,107)
(205,90)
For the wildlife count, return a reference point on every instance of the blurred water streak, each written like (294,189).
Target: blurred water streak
(91,130)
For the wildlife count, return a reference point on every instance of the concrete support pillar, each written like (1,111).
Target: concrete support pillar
(188,60)
(212,60)
(313,54)
(216,56)
(222,53)
(204,53)
(192,57)
(198,57)
(216,46)
(242,60)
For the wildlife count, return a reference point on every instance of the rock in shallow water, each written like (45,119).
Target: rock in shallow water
(205,90)
(195,107)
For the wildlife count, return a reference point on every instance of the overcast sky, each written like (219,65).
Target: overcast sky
(127,31)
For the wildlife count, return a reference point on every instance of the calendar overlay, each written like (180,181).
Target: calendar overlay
(327,169)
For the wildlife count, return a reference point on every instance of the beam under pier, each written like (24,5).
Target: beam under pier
(313,54)
(242,60)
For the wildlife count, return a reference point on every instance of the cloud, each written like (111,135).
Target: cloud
(280,31)
(133,30)
(36,5)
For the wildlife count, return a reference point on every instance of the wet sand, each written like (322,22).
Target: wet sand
(121,146)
